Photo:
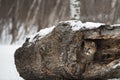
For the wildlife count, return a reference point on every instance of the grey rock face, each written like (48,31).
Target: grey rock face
(60,55)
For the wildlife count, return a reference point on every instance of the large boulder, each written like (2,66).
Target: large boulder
(71,50)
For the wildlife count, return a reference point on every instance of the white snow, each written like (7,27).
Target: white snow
(77,25)
(41,34)
(117,65)
(114,25)
(7,66)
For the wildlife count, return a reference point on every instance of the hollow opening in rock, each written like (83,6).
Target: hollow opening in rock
(107,50)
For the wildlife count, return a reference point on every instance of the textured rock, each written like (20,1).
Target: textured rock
(66,54)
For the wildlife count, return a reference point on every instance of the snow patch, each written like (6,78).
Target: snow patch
(77,25)
(114,25)
(42,33)
(7,64)
(117,65)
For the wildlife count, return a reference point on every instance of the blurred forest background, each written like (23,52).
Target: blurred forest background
(20,18)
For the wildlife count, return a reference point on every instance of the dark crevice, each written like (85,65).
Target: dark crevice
(107,50)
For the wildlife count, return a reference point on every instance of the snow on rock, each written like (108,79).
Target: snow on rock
(115,25)
(6,37)
(40,34)
(75,26)
(117,65)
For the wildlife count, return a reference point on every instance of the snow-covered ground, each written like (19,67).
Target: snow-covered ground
(7,65)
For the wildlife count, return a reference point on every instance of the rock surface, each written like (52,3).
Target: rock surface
(65,54)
